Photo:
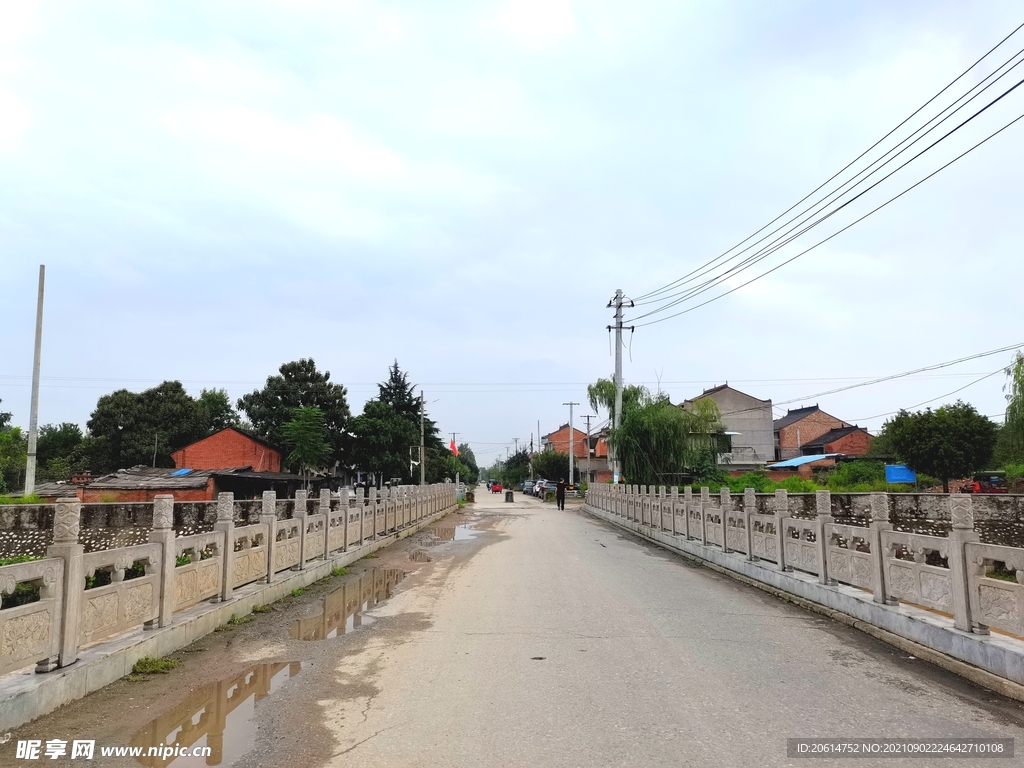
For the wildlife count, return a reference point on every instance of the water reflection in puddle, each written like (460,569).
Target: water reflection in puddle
(344,607)
(437,534)
(219,716)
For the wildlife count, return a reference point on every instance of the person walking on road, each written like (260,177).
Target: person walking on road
(560,493)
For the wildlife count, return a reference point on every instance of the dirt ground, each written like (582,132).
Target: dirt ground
(122,712)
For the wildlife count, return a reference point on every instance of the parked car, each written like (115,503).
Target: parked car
(496,488)
(543,487)
(528,487)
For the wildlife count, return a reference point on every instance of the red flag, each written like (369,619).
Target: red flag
(453,448)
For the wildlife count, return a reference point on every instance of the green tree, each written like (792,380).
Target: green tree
(515,469)
(551,465)
(467,457)
(5,420)
(953,441)
(13,455)
(216,411)
(298,385)
(306,435)
(659,443)
(1011,447)
(126,426)
(442,465)
(58,451)
(381,439)
(601,394)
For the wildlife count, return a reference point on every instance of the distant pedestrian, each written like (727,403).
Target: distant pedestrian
(560,493)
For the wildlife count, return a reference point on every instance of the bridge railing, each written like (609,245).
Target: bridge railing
(68,597)
(849,539)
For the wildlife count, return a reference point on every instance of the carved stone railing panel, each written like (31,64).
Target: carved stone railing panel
(31,632)
(250,563)
(736,531)
(201,579)
(121,605)
(800,539)
(995,602)
(764,537)
(913,579)
(316,531)
(848,553)
(712,523)
(287,540)
(336,529)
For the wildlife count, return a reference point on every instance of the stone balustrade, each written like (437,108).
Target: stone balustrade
(850,541)
(88,596)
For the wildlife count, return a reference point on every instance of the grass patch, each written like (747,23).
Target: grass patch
(147,665)
(236,620)
(1002,574)
(262,609)
(135,678)
(296,592)
(339,571)
(369,556)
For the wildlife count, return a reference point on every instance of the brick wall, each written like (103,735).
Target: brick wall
(810,427)
(559,441)
(228,449)
(853,444)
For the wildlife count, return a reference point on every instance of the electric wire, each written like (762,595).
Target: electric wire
(949,85)
(931,400)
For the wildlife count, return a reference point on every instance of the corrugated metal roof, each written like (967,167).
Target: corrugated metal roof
(801,460)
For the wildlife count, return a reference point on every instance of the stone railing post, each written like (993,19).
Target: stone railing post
(823,507)
(749,508)
(687,506)
(371,504)
(299,513)
(725,504)
(325,510)
(268,517)
(225,525)
(961,512)
(673,502)
(361,506)
(781,511)
(163,535)
(879,523)
(66,522)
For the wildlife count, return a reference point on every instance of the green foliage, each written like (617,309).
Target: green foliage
(13,454)
(265,608)
(125,426)
(442,465)
(551,465)
(296,592)
(236,620)
(31,499)
(798,485)
(658,442)
(1013,425)
(147,665)
(338,571)
(5,420)
(216,411)
(953,441)
(299,385)
(306,435)
(601,394)
(468,459)
(23,593)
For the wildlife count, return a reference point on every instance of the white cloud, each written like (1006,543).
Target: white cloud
(534,23)
(15,120)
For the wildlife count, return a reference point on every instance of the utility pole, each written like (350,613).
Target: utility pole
(617,303)
(588,417)
(571,430)
(423,455)
(517,444)
(33,416)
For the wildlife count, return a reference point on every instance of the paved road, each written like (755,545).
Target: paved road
(553,640)
(564,643)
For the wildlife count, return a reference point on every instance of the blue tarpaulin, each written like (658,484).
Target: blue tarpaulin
(800,460)
(899,473)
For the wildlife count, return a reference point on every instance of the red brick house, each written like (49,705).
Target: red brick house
(849,441)
(801,426)
(559,441)
(227,449)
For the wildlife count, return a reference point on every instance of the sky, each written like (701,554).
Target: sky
(219,188)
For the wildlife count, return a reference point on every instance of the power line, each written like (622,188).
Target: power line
(835,234)
(931,400)
(669,286)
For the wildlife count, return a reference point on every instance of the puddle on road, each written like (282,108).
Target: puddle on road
(437,534)
(219,716)
(344,607)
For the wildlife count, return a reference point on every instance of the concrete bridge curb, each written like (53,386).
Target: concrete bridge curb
(993,661)
(25,697)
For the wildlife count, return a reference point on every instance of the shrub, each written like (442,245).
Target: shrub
(147,665)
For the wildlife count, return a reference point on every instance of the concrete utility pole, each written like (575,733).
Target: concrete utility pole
(33,414)
(423,446)
(571,430)
(617,303)
(588,417)
(517,444)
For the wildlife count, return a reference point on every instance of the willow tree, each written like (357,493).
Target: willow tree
(659,442)
(1013,425)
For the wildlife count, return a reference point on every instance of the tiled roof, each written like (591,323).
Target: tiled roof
(793,416)
(832,435)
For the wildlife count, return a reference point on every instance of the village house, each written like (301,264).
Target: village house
(801,426)
(748,423)
(226,449)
